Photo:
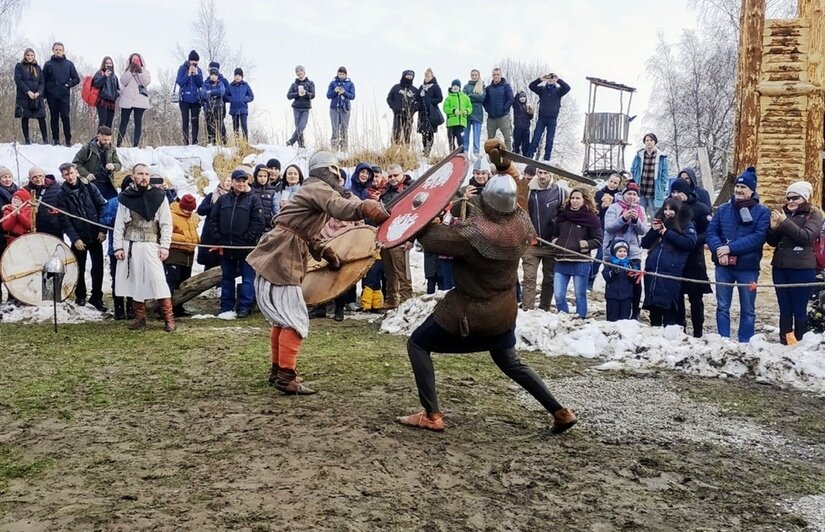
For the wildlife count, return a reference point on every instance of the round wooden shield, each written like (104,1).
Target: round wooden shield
(356,249)
(426,199)
(22,268)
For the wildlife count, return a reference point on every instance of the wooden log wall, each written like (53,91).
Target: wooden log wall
(813,11)
(746,122)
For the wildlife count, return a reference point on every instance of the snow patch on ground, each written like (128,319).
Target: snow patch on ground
(631,345)
(811,508)
(67,312)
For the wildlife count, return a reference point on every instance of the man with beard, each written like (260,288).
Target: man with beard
(45,188)
(479,314)
(97,162)
(280,262)
(142,236)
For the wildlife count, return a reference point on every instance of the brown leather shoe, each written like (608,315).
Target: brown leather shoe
(140,316)
(289,383)
(422,420)
(563,420)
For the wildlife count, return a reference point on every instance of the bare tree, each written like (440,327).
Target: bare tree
(567,148)
(10,11)
(210,39)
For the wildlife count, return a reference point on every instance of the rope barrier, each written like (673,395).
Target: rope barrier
(751,286)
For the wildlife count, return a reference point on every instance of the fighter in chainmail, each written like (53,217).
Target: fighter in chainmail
(280,262)
(479,314)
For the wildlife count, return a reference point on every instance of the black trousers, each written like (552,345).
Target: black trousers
(619,309)
(176,275)
(637,291)
(660,317)
(59,112)
(190,114)
(24,124)
(124,123)
(455,135)
(521,140)
(697,313)
(401,128)
(95,251)
(105,117)
(239,123)
(427,138)
(437,339)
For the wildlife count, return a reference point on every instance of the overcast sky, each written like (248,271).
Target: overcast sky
(375,40)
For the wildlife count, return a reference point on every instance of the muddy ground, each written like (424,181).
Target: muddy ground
(153,431)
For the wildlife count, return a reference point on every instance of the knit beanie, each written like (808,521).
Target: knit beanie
(803,188)
(238,72)
(680,185)
(617,244)
(748,178)
(23,194)
(188,203)
(456,83)
(299,67)
(193,56)
(215,65)
(632,186)
(342,69)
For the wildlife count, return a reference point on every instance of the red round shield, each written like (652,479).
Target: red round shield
(426,198)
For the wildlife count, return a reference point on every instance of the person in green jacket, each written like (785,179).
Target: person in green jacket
(475,90)
(457,107)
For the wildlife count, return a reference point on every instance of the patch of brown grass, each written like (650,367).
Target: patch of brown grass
(224,166)
(401,154)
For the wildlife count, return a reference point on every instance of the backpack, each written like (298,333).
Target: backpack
(819,252)
(89,94)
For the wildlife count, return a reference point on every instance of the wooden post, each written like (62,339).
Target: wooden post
(814,12)
(746,122)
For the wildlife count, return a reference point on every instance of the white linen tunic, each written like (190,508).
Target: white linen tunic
(140,275)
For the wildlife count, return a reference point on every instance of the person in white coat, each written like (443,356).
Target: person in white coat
(134,97)
(142,237)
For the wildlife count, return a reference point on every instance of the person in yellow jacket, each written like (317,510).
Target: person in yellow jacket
(457,107)
(178,266)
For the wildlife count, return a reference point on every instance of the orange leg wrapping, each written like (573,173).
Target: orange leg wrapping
(289,343)
(274,335)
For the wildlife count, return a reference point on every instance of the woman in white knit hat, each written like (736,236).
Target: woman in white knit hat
(792,232)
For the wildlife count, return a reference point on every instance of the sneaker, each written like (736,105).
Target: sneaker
(422,420)
(243,313)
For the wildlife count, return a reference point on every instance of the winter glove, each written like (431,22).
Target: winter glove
(331,258)
(374,211)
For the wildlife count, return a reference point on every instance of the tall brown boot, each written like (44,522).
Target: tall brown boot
(168,314)
(289,383)
(140,316)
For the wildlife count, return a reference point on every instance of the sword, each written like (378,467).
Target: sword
(515,157)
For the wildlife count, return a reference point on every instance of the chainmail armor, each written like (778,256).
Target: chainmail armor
(495,235)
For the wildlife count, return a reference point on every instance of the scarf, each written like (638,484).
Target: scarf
(425,87)
(580,217)
(748,203)
(638,208)
(625,262)
(144,201)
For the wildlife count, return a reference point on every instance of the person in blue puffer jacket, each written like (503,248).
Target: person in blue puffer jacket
(735,237)
(211,93)
(341,92)
(671,238)
(239,94)
(361,181)
(550,89)
(498,100)
(190,79)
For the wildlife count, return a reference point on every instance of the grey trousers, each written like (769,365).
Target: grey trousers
(301,118)
(505,125)
(340,124)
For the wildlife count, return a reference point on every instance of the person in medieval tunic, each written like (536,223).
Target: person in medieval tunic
(142,237)
(479,314)
(280,262)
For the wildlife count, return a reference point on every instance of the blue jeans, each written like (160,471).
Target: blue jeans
(230,269)
(747,301)
(548,123)
(301,117)
(793,302)
(475,127)
(560,282)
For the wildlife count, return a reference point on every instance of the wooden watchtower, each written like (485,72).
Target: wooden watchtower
(605,134)
(780,108)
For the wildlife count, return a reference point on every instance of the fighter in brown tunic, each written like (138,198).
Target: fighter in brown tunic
(280,262)
(479,314)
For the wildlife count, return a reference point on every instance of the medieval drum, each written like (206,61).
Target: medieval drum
(22,269)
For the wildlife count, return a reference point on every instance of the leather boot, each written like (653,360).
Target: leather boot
(273,375)
(563,419)
(168,314)
(289,383)
(130,309)
(140,316)
(120,308)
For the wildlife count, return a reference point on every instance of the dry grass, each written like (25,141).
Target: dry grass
(401,154)
(224,166)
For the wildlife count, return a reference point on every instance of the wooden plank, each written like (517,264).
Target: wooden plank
(747,116)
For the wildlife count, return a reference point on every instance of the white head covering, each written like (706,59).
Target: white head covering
(803,188)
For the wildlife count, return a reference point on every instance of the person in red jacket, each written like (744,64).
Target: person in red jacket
(19,223)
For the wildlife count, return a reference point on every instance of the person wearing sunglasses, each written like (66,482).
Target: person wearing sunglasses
(792,232)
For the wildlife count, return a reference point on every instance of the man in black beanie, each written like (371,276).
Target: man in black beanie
(274,167)
(190,80)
